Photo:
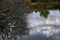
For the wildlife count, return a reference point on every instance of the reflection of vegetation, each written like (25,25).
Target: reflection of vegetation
(57,6)
(12,12)
(44,13)
(34,0)
(13,19)
(44,4)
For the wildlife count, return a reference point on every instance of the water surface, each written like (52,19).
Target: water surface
(46,26)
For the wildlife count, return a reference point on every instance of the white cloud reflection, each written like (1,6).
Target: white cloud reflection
(35,20)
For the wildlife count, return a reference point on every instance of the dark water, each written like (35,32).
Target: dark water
(44,27)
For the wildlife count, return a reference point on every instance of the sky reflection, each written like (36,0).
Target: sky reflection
(48,26)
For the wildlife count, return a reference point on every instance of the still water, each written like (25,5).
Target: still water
(46,26)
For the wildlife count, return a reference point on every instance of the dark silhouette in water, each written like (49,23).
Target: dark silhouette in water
(34,0)
(35,11)
(44,13)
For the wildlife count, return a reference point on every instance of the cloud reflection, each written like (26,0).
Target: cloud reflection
(34,19)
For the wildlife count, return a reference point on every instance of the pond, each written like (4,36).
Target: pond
(47,25)
(29,20)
